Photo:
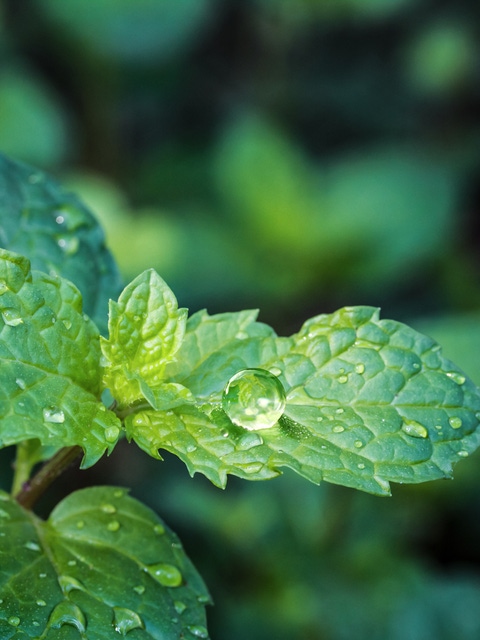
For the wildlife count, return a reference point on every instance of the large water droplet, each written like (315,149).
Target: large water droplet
(14,621)
(125,620)
(166,574)
(67,613)
(11,317)
(254,399)
(52,414)
(111,434)
(414,429)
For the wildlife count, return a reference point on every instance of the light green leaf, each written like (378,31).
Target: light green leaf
(368,401)
(145,331)
(50,364)
(102,566)
(39,219)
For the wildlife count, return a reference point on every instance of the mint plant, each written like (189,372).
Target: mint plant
(350,399)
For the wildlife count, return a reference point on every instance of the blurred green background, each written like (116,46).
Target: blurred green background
(296,156)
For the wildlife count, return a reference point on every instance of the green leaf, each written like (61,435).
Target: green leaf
(368,401)
(102,566)
(58,234)
(50,364)
(145,331)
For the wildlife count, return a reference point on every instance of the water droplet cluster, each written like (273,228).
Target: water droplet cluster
(254,399)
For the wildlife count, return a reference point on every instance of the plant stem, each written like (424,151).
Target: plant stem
(22,466)
(31,490)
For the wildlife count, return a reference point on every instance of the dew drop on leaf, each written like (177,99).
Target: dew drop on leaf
(360,368)
(108,508)
(414,429)
(114,525)
(67,613)
(463,454)
(159,529)
(33,546)
(125,620)
(455,423)
(166,574)
(11,317)
(179,606)
(140,589)
(456,377)
(254,399)
(52,414)
(20,384)
(67,584)
(14,621)
(111,434)
(198,631)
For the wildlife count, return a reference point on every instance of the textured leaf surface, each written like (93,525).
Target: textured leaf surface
(59,235)
(103,566)
(369,401)
(50,364)
(145,330)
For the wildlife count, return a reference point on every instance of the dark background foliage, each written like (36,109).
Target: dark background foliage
(296,156)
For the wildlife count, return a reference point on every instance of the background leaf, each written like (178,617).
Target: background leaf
(103,564)
(368,401)
(57,233)
(50,364)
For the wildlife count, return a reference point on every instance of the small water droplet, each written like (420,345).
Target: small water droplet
(5,515)
(80,524)
(338,429)
(455,423)
(52,414)
(254,399)
(203,599)
(166,574)
(414,429)
(125,620)
(360,465)
(12,317)
(340,410)
(159,529)
(111,434)
(20,383)
(67,584)
(14,621)
(72,563)
(114,525)
(41,603)
(358,444)
(67,613)
(463,454)
(190,448)
(118,493)
(59,219)
(33,546)
(179,606)
(275,371)
(248,441)
(456,377)
(343,379)
(67,324)
(360,368)
(198,631)
(108,508)
(140,589)
(42,575)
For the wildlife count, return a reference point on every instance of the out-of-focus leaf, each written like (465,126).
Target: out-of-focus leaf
(102,566)
(50,365)
(131,29)
(39,219)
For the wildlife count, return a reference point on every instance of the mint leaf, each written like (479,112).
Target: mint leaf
(145,331)
(102,566)
(368,401)
(41,220)
(50,364)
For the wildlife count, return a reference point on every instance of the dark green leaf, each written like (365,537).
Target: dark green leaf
(102,566)
(59,235)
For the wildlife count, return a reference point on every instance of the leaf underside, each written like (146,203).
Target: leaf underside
(50,365)
(368,401)
(102,566)
(41,220)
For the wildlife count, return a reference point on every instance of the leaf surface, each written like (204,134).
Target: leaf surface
(50,364)
(102,566)
(368,401)
(145,331)
(41,220)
